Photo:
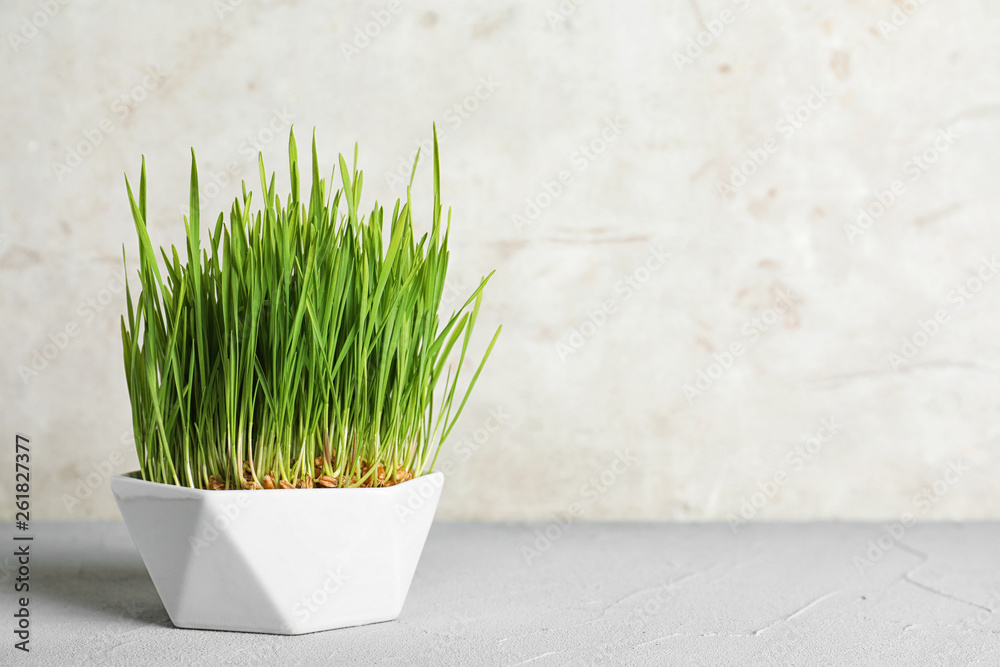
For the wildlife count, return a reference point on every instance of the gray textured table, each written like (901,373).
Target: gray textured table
(684,594)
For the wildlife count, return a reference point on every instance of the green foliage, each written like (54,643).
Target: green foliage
(296,344)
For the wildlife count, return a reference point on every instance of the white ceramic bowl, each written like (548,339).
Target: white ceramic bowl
(283,561)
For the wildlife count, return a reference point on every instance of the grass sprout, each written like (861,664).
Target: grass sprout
(303,347)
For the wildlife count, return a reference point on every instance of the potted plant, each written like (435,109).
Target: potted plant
(287,405)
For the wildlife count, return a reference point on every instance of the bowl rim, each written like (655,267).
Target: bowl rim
(436,477)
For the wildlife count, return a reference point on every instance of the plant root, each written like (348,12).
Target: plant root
(379,478)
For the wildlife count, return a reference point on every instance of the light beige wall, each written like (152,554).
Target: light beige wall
(780,254)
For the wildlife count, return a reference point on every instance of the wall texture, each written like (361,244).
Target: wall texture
(746,252)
